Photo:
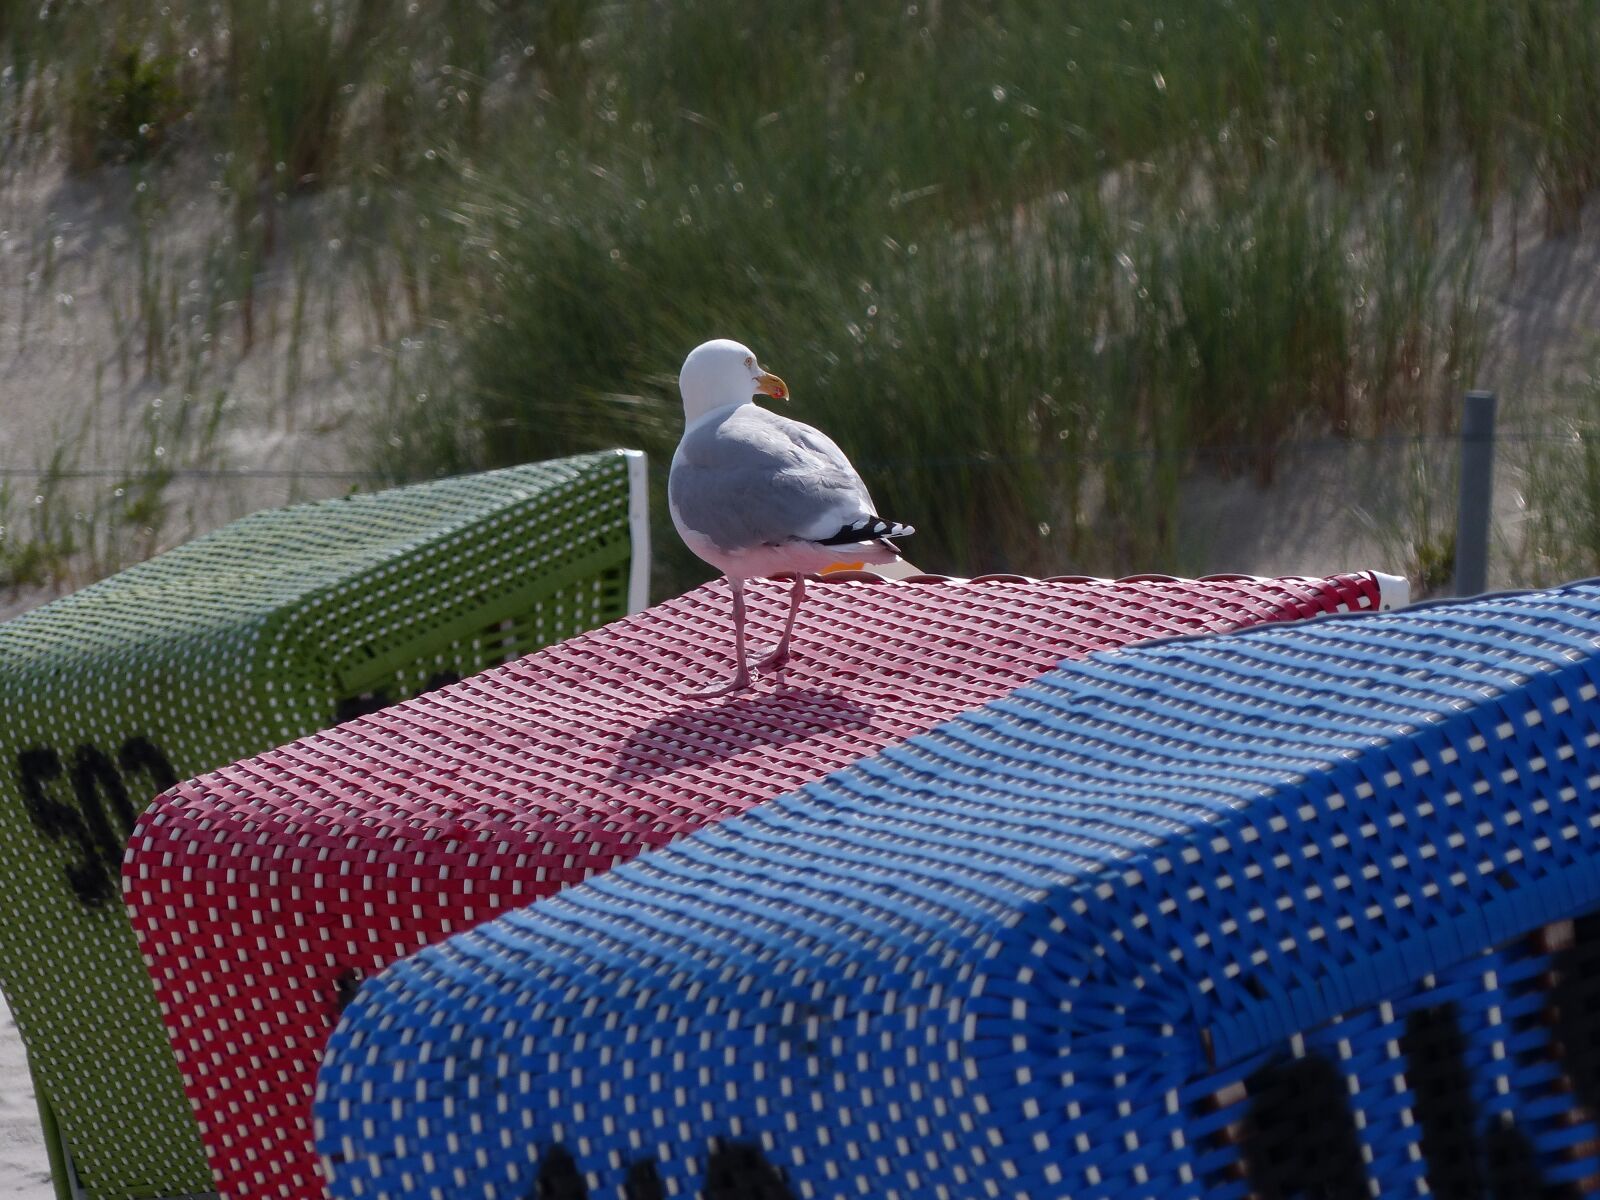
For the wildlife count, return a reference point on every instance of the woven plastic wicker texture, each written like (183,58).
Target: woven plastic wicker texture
(265,630)
(1282,913)
(263,893)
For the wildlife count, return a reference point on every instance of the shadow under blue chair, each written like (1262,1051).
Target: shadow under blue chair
(1297,910)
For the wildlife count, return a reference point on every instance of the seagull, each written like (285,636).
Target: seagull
(755,494)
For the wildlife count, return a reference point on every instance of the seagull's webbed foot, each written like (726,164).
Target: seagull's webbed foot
(775,659)
(739,682)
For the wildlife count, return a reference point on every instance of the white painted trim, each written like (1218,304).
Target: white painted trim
(1394,591)
(638,530)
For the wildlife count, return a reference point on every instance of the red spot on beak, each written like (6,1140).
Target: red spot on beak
(769,384)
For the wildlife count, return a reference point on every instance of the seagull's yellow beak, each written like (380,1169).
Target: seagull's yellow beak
(770,385)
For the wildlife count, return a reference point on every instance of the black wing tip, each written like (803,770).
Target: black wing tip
(870,529)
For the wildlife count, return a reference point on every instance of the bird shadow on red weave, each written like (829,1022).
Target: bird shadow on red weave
(733,726)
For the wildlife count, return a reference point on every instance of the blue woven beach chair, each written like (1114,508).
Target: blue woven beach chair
(1298,911)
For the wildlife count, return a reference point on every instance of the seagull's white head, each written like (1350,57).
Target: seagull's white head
(719,373)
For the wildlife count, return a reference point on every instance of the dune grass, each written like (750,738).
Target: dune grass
(1023,290)
(1029,261)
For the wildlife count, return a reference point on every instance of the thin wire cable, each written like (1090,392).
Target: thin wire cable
(1288,448)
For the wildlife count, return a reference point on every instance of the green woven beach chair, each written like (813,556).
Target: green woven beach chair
(277,625)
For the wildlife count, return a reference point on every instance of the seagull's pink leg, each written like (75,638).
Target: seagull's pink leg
(780,652)
(741,677)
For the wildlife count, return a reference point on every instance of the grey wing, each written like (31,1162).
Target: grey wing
(761,479)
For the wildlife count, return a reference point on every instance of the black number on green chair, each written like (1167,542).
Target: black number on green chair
(95,777)
(100,787)
(141,754)
(37,767)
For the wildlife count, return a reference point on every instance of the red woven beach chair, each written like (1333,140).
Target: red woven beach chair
(262,894)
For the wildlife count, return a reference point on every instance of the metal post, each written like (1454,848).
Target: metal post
(1477,478)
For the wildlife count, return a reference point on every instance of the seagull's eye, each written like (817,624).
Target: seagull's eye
(749,362)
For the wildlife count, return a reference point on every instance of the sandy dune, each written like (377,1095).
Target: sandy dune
(24,1167)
